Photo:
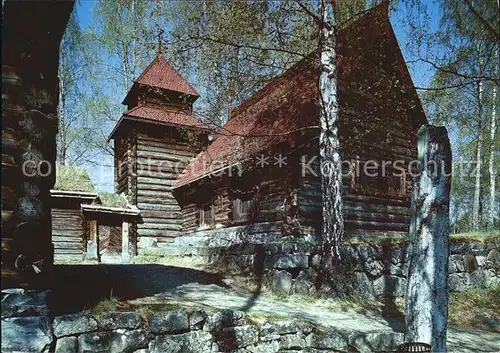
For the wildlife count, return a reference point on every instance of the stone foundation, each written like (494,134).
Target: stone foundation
(26,327)
(291,266)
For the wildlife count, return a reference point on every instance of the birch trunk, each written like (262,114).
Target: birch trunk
(331,178)
(426,302)
(476,206)
(492,169)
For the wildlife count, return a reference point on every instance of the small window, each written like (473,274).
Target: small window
(207,215)
(242,210)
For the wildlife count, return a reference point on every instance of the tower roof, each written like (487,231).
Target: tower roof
(161,74)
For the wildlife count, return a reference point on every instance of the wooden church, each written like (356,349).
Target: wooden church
(154,140)
(263,165)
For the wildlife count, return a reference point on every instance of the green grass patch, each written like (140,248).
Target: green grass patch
(475,236)
(70,178)
(472,308)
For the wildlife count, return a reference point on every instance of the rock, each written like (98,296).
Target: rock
(493,259)
(481,260)
(26,334)
(478,279)
(112,341)
(73,324)
(470,263)
(366,251)
(389,286)
(169,322)
(190,342)
(278,281)
(197,319)
(273,330)
(264,347)
(116,320)
(281,261)
(330,339)
(25,303)
(363,285)
(145,242)
(67,345)
(396,269)
(458,282)
(305,282)
(224,318)
(238,336)
(293,341)
(456,263)
(374,267)
(376,341)
(397,254)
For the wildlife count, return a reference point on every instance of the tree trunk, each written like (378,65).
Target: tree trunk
(426,302)
(331,178)
(479,155)
(491,169)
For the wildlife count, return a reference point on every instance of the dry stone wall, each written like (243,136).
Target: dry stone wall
(290,266)
(26,327)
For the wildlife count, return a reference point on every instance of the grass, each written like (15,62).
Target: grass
(471,308)
(70,178)
(475,236)
(110,199)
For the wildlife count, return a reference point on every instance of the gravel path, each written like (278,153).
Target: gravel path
(159,284)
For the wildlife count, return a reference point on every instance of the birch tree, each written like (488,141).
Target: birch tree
(491,164)
(329,143)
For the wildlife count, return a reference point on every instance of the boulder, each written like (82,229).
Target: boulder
(112,341)
(273,330)
(305,282)
(376,341)
(238,336)
(278,281)
(373,267)
(363,285)
(197,319)
(330,339)
(456,263)
(73,324)
(26,334)
(389,286)
(396,269)
(470,263)
(224,318)
(24,303)
(281,261)
(67,345)
(293,341)
(190,342)
(264,347)
(493,259)
(117,320)
(169,322)
(458,282)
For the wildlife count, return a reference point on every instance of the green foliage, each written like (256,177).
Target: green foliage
(110,199)
(70,178)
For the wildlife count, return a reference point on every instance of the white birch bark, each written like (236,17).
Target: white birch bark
(331,178)
(479,151)
(426,302)
(491,167)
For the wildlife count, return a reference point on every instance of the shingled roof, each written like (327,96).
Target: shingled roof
(288,103)
(160,115)
(161,74)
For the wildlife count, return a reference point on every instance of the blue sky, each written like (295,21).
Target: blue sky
(421,73)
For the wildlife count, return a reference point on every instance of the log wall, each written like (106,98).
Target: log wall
(68,234)
(159,161)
